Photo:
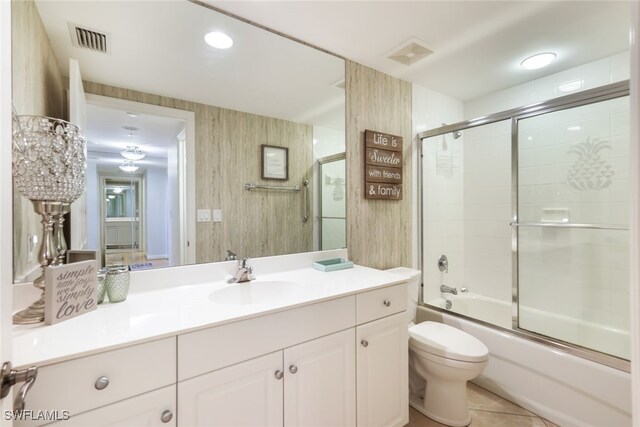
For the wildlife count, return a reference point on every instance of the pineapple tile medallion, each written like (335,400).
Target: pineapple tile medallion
(590,171)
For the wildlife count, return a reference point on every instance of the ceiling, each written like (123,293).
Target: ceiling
(106,137)
(477,45)
(158,47)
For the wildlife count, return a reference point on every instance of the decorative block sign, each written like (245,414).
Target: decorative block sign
(383,166)
(70,290)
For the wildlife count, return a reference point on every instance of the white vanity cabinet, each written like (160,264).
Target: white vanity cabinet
(336,362)
(153,409)
(248,394)
(319,382)
(382,358)
(309,366)
(308,384)
(86,383)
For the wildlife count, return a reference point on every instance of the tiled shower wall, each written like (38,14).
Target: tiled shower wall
(487,210)
(479,195)
(579,274)
(442,189)
(574,167)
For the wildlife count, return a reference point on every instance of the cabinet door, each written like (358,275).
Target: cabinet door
(383,395)
(246,394)
(154,409)
(319,385)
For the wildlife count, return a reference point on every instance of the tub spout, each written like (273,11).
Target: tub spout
(448,289)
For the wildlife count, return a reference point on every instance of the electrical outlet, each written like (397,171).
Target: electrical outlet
(217,215)
(204,215)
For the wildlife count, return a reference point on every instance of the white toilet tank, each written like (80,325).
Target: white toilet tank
(413,289)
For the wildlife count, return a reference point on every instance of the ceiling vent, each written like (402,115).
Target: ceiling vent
(340,84)
(87,38)
(410,52)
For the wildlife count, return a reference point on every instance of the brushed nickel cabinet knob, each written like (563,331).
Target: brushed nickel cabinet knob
(279,374)
(166,416)
(387,303)
(293,369)
(364,343)
(102,383)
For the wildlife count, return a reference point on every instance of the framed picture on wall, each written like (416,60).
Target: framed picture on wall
(275,162)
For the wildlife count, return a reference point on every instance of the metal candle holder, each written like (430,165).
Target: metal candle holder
(49,162)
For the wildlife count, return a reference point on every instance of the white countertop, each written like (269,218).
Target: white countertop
(168,311)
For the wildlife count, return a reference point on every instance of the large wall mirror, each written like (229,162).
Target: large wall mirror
(174,130)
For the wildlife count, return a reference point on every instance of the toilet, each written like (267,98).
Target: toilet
(441,361)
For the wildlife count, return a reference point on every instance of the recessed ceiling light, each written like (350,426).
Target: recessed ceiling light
(111,196)
(539,60)
(218,40)
(574,128)
(570,86)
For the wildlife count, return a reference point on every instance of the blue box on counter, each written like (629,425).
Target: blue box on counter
(332,264)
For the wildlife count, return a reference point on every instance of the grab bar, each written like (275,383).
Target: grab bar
(567,225)
(307,203)
(250,187)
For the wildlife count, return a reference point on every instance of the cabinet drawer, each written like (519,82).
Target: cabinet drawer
(154,409)
(214,348)
(72,385)
(380,303)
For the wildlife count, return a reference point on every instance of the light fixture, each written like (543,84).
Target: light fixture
(133,152)
(539,60)
(218,39)
(117,190)
(570,86)
(111,196)
(128,166)
(574,128)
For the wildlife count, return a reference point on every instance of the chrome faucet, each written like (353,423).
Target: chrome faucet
(244,273)
(448,289)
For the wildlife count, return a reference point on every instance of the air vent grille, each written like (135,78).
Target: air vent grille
(410,52)
(87,38)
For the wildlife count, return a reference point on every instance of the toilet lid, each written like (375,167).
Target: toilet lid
(447,341)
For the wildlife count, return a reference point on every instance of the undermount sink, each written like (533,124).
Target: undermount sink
(256,292)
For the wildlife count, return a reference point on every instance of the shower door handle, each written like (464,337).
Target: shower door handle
(516,224)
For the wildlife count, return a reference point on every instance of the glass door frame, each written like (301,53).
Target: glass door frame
(321,162)
(590,96)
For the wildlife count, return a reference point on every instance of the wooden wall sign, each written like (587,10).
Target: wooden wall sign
(70,290)
(383,166)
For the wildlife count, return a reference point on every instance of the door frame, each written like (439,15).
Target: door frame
(187,174)
(140,204)
(321,162)
(6,197)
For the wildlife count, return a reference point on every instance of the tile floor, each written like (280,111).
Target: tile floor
(487,410)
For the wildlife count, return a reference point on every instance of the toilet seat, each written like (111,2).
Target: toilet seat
(448,342)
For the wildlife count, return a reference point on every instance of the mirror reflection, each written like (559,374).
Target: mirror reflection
(174,129)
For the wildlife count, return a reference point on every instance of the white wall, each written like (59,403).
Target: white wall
(157,218)
(587,76)
(442,189)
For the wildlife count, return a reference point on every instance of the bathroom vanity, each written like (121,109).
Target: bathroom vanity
(295,347)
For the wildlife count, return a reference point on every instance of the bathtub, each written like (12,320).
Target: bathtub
(565,389)
(608,340)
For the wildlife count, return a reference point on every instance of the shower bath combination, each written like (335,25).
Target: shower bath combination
(512,170)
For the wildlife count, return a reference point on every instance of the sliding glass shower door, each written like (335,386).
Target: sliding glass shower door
(572,228)
(332,202)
